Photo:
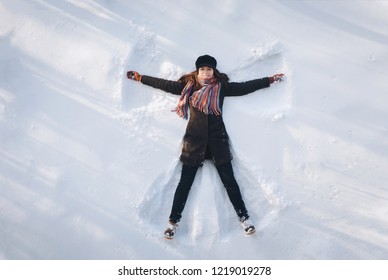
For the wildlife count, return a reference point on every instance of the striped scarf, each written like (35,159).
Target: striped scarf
(206,99)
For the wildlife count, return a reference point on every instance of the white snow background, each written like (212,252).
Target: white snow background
(89,160)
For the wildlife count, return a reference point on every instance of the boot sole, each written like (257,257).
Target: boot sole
(251,231)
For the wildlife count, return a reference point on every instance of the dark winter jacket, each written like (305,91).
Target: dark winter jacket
(206,135)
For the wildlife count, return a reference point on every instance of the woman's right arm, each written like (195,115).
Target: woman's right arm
(173,87)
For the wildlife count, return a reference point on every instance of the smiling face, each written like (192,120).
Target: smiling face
(205,73)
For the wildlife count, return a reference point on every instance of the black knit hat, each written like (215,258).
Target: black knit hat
(206,60)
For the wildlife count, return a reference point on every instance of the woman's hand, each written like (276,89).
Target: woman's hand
(276,78)
(133,75)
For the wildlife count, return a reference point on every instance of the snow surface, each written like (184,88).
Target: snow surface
(89,160)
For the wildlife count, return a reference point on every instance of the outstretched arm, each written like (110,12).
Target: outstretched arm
(173,87)
(238,89)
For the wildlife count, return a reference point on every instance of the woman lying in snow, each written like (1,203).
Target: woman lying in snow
(202,95)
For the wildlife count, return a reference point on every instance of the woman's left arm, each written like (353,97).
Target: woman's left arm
(238,89)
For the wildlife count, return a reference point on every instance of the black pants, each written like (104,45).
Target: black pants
(227,177)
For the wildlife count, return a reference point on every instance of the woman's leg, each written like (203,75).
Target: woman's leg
(227,177)
(182,192)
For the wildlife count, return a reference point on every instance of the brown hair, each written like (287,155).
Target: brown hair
(193,77)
